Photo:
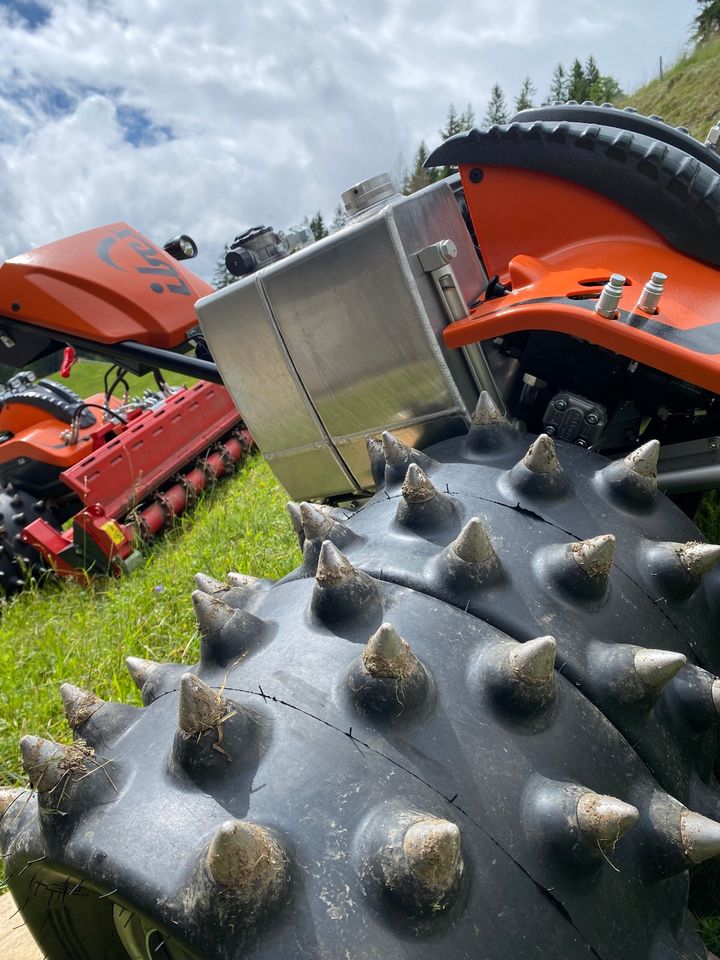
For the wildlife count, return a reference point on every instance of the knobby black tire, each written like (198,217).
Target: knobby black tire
(384,755)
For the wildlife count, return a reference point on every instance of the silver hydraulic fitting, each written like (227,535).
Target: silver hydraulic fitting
(649,299)
(713,138)
(609,299)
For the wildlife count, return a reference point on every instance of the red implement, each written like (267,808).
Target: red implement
(127,470)
(124,471)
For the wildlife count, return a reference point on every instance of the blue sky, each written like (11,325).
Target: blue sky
(28,13)
(207,118)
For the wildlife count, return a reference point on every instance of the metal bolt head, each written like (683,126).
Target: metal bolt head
(560,405)
(448,249)
(550,430)
(591,418)
(437,255)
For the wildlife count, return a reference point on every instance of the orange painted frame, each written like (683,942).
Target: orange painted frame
(36,434)
(548,238)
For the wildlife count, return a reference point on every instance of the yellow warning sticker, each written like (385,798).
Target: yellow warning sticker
(114,532)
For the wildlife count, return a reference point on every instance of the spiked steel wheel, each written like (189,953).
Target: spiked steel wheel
(18,560)
(479,720)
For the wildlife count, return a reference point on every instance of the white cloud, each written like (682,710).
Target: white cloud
(273,109)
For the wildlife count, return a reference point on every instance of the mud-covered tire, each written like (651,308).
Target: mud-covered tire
(19,562)
(385,755)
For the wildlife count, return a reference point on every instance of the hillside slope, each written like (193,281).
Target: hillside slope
(688,94)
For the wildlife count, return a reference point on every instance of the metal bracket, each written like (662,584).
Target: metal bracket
(436,261)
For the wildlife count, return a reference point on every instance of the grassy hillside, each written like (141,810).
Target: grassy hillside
(689,93)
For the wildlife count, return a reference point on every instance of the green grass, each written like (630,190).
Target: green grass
(709,929)
(86,378)
(688,94)
(708,517)
(64,631)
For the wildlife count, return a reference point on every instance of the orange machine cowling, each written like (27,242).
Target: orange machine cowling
(38,435)
(108,285)
(557,243)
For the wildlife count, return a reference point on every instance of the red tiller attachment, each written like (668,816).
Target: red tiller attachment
(114,480)
(126,470)
(175,499)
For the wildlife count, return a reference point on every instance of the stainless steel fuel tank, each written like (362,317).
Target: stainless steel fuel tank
(343,340)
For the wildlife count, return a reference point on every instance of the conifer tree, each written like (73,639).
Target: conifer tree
(707,22)
(526,97)
(558,85)
(317,225)
(420,176)
(592,77)
(339,219)
(577,83)
(221,275)
(453,123)
(497,111)
(467,119)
